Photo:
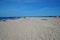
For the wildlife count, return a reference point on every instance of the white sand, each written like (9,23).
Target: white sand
(32,28)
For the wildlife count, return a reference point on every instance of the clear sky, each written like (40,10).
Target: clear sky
(29,8)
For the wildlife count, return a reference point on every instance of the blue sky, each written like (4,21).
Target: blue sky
(12,8)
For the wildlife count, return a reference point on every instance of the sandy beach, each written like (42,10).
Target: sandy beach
(30,28)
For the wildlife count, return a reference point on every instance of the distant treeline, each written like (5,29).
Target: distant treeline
(39,16)
(1,18)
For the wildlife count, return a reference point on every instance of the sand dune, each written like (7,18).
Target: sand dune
(31,28)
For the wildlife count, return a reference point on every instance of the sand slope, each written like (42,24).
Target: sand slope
(32,28)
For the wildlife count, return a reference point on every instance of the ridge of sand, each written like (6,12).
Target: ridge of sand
(32,28)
